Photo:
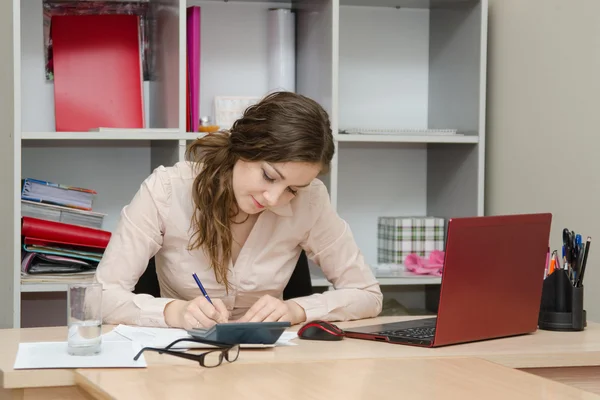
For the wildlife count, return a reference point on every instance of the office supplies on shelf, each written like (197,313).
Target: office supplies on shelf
(67,215)
(408,131)
(193,64)
(431,265)
(53,8)
(50,233)
(36,190)
(55,251)
(68,251)
(201,288)
(188,103)
(101,86)
(207,125)
(62,278)
(230,108)
(281,42)
(41,263)
(397,237)
(42,355)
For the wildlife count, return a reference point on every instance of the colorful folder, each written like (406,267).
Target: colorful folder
(97,72)
(193,57)
(41,232)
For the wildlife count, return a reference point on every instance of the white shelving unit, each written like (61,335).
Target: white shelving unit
(377,64)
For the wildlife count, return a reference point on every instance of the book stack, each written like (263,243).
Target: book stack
(62,238)
(60,203)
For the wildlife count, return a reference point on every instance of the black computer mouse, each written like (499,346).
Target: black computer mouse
(320,330)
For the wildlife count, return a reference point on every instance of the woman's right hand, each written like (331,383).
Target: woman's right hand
(196,313)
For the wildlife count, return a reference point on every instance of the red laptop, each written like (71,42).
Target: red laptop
(491,284)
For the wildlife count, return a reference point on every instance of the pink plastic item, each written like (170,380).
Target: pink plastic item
(422,266)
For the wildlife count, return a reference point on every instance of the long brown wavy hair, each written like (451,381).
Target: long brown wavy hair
(282,127)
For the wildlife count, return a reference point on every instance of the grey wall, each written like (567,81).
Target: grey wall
(543,119)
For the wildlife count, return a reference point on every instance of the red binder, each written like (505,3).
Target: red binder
(97,72)
(42,232)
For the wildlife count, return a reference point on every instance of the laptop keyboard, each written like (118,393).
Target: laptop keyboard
(417,333)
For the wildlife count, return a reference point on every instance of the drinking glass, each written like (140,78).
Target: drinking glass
(84,318)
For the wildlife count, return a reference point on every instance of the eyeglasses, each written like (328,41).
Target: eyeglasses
(209,359)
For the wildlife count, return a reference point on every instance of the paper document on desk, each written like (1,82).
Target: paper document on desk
(38,355)
(162,337)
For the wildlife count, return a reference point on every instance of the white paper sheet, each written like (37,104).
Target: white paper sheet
(114,354)
(153,337)
(161,337)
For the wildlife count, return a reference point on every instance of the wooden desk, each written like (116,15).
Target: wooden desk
(415,379)
(572,357)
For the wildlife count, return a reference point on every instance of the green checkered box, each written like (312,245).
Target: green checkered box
(401,236)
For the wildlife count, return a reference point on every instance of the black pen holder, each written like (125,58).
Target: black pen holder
(561,307)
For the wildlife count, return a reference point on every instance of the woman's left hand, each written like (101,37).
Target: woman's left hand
(270,309)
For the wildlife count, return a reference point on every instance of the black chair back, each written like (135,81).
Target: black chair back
(299,284)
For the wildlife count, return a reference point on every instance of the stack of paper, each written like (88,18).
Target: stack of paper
(54,355)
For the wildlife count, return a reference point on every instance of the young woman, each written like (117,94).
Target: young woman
(238,214)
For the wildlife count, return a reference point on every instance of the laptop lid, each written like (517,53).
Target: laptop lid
(492,277)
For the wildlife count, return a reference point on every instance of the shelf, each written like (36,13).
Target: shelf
(43,287)
(425,4)
(396,278)
(148,134)
(422,280)
(54,285)
(407,138)
(195,2)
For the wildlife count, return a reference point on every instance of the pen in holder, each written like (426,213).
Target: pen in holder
(562,304)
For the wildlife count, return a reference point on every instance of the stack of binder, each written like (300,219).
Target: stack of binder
(53,251)
(61,235)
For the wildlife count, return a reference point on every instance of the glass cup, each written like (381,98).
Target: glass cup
(84,318)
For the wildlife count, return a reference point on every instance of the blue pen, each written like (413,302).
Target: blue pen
(202,288)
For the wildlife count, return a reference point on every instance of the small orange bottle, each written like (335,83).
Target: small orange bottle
(207,126)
